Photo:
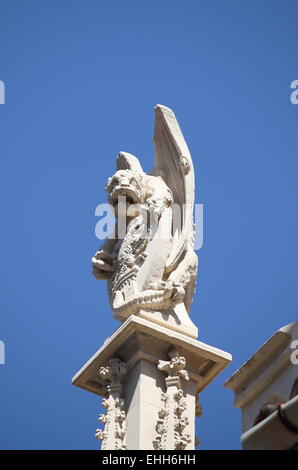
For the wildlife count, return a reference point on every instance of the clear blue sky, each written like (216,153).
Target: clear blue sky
(82,78)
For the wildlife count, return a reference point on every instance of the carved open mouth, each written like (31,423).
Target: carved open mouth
(131,195)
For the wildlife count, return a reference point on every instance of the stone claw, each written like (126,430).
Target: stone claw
(102,264)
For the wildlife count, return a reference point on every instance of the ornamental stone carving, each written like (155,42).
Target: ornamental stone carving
(172,420)
(149,261)
(113,434)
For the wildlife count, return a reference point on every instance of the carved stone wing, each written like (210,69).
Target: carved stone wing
(174,164)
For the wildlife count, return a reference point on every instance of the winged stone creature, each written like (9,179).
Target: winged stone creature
(149,261)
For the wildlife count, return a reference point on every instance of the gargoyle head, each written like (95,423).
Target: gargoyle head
(126,185)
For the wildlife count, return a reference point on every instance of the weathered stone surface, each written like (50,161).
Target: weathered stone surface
(151,370)
(150,264)
(152,352)
(267,381)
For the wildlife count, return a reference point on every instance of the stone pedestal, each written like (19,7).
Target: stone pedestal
(150,377)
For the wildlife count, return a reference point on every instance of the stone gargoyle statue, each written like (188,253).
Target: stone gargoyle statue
(151,266)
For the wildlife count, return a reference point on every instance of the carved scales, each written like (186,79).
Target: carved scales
(113,434)
(149,262)
(172,422)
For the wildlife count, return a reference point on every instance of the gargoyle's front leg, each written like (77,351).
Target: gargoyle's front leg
(102,261)
(170,290)
(102,265)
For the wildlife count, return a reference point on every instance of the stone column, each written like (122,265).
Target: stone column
(150,377)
